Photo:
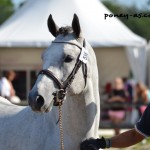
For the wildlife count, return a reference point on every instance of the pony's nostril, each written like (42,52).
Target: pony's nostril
(39,101)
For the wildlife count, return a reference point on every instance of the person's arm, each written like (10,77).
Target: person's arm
(145,97)
(126,139)
(123,140)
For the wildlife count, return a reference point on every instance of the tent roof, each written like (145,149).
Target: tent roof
(27,27)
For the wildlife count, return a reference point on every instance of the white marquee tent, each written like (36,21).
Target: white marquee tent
(27,28)
(148,63)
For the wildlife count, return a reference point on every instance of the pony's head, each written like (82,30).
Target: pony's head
(59,62)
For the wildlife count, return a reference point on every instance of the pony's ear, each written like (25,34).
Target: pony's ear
(76,26)
(53,28)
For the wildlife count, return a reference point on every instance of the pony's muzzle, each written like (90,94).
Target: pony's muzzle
(35,101)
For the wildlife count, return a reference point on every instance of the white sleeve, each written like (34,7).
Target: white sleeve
(5,89)
(0,87)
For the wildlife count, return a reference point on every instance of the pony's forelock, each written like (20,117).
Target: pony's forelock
(65,30)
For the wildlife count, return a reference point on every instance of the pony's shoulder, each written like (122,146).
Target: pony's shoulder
(4,101)
(7,108)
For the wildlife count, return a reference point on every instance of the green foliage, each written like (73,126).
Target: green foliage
(6,9)
(140,26)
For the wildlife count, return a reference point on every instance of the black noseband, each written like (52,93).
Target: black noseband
(51,75)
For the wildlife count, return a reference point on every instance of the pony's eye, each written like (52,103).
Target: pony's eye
(68,58)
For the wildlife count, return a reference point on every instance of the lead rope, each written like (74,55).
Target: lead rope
(60,126)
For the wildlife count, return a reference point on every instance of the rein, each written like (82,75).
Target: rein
(60,94)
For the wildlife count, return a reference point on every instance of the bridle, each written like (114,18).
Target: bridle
(60,94)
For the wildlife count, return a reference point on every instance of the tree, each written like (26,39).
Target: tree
(6,9)
(138,24)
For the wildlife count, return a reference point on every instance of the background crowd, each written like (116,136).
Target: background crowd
(125,98)
(6,87)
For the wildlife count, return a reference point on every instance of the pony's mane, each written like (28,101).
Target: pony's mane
(65,30)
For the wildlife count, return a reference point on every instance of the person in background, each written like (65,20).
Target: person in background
(129,88)
(117,99)
(123,140)
(142,97)
(6,87)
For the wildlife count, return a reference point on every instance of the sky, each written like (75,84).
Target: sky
(141,4)
(17,2)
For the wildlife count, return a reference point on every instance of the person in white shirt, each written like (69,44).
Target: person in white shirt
(6,88)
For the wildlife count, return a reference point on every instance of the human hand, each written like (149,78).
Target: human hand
(93,144)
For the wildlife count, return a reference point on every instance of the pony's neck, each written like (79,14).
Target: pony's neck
(81,112)
(71,106)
